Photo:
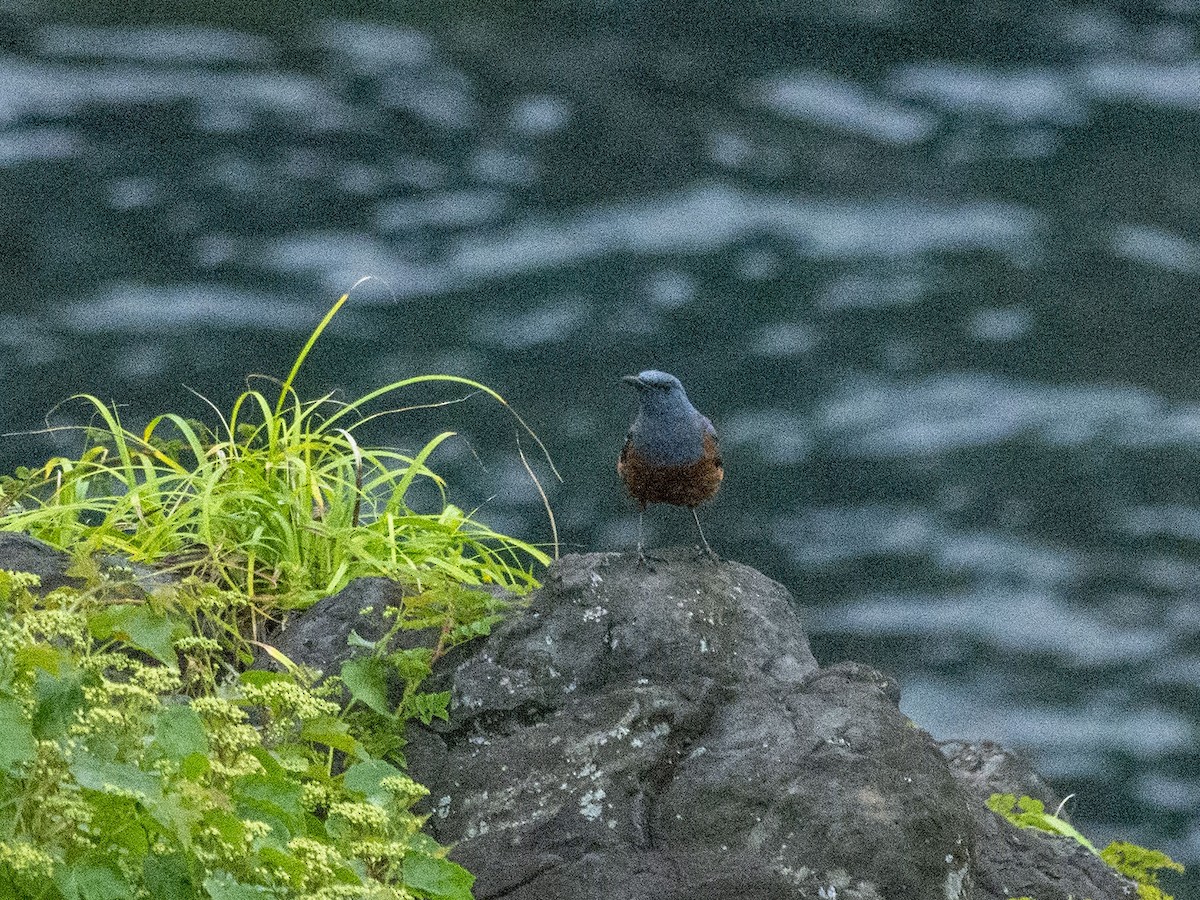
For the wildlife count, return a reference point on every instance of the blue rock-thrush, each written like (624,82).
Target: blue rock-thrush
(671,453)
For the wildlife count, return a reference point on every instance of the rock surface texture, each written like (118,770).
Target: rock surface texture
(637,734)
(668,734)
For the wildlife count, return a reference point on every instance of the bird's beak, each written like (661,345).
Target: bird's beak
(632,379)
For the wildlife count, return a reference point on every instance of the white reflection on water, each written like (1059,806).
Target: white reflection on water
(178,44)
(942,413)
(1175,85)
(1157,248)
(134,308)
(1004,619)
(1024,96)
(1171,519)
(999,325)
(710,217)
(784,339)
(39,90)
(552,323)
(372,48)
(828,102)
(779,437)
(1059,736)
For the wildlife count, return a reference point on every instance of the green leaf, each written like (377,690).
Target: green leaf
(365,777)
(92,880)
(194,766)
(104,776)
(357,640)
(58,698)
(140,627)
(1029,812)
(40,656)
(366,679)
(179,733)
(17,744)
(330,731)
(119,823)
(283,861)
(427,707)
(414,664)
(175,817)
(274,800)
(229,827)
(223,886)
(437,877)
(168,878)
(1140,864)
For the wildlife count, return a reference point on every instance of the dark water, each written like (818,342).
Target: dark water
(932,269)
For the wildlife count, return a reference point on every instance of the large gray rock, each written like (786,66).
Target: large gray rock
(668,734)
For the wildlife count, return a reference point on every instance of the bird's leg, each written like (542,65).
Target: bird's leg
(707,549)
(644,557)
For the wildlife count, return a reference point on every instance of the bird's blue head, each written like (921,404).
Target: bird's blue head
(658,390)
(667,428)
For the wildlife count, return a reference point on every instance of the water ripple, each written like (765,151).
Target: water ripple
(828,102)
(942,413)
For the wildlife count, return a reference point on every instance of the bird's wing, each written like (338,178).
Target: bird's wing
(624,453)
(710,432)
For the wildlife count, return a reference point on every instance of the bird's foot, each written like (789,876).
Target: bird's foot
(647,560)
(707,552)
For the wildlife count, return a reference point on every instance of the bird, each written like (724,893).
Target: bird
(671,453)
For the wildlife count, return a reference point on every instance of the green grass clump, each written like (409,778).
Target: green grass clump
(278,498)
(140,756)
(1138,864)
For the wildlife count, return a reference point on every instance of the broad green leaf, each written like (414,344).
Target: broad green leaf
(58,698)
(283,792)
(40,656)
(330,731)
(179,732)
(140,627)
(168,878)
(223,886)
(231,829)
(89,879)
(195,765)
(365,777)
(175,817)
(104,776)
(437,877)
(273,800)
(120,823)
(366,679)
(17,744)
(284,861)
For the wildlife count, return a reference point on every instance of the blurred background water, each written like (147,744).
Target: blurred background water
(932,269)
